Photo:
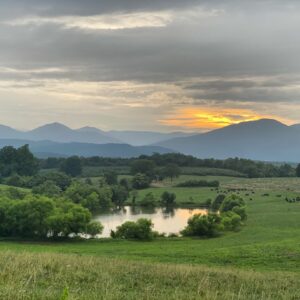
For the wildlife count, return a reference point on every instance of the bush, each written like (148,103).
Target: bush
(139,230)
(203,225)
(231,221)
(241,211)
(198,183)
(230,202)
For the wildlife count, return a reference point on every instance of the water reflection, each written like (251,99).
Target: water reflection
(167,220)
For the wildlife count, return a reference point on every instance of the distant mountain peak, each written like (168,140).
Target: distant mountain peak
(54,126)
(264,121)
(89,129)
(264,139)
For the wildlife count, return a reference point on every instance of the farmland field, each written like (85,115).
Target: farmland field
(261,261)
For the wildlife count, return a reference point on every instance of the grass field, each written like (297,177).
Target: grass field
(262,261)
(60,276)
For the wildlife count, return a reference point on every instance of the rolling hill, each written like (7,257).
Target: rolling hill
(265,139)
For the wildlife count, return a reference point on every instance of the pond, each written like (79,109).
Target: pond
(167,220)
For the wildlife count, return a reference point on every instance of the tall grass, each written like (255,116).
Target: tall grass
(60,276)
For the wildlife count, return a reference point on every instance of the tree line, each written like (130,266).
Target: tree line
(250,168)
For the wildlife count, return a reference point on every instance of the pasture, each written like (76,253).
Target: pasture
(261,261)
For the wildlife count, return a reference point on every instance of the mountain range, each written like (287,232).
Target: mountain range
(60,133)
(265,140)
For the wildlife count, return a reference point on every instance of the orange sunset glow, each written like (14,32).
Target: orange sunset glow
(213,118)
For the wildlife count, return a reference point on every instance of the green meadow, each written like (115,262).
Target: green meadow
(261,261)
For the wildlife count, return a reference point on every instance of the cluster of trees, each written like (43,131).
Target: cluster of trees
(246,166)
(145,171)
(17,161)
(41,217)
(231,213)
(166,199)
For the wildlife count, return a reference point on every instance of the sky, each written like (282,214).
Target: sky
(164,65)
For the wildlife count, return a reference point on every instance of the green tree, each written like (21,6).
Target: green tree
(20,161)
(72,166)
(94,228)
(298,170)
(203,225)
(171,171)
(119,195)
(143,166)
(47,188)
(29,217)
(111,177)
(140,181)
(140,230)
(89,196)
(8,162)
(27,164)
(168,199)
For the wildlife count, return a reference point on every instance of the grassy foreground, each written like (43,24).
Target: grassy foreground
(53,276)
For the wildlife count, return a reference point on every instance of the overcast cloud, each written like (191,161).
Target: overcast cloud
(130,64)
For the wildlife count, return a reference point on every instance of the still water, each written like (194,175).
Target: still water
(165,220)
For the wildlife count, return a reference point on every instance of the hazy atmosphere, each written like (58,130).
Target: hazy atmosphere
(149,65)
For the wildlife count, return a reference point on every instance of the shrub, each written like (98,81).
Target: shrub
(203,225)
(241,211)
(231,221)
(230,202)
(198,183)
(139,230)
